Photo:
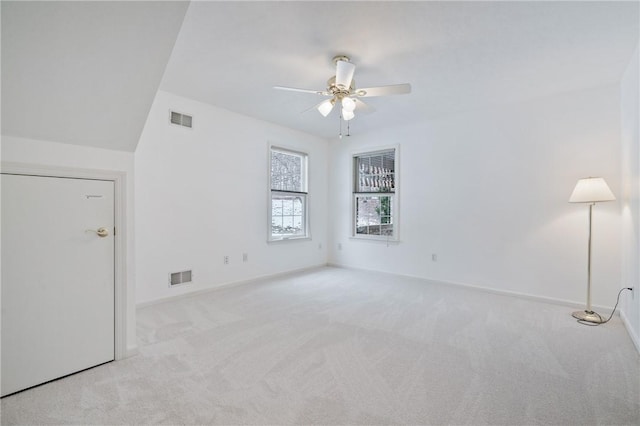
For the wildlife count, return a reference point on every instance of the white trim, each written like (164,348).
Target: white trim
(228,285)
(375,239)
(290,239)
(395,194)
(132,351)
(555,301)
(634,337)
(305,194)
(120,238)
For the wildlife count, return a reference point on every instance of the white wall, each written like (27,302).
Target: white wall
(48,153)
(487,192)
(630,195)
(202,194)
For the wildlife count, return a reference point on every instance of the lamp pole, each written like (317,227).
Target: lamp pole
(588,315)
(589,310)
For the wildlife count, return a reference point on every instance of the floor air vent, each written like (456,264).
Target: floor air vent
(176,278)
(181,119)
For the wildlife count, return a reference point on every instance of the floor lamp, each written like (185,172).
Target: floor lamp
(590,190)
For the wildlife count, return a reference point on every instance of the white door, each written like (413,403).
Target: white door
(57,278)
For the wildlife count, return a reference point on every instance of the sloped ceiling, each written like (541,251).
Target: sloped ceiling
(84,73)
(458,56)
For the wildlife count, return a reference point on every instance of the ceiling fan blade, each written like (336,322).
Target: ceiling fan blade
(294,89)
(364,108)
(344,74)
(394,89)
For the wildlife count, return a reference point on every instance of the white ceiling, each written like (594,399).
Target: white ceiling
(86,72)
(457,55)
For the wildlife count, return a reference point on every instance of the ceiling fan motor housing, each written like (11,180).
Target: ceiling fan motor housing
(339,91)
(340,58)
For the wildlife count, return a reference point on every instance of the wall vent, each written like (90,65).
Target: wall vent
(181,119)
(182,277)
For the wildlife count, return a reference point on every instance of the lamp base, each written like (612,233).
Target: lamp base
(588,316)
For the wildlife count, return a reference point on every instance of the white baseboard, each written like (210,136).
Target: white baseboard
(570,303)
(603,309)
(227,285)
(634,337)
(132,351)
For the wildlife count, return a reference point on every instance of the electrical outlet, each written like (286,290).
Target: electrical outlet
(226,260)
(434,257)
(245,257)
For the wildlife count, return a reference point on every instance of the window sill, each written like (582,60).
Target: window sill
(288,239)
(375,239)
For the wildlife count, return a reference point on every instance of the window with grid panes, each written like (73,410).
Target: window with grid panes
(288,215)
(374,195)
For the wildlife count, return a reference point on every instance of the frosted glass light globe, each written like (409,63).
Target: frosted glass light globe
(347,115)
(348,104)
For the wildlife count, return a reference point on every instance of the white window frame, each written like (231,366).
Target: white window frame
(304,195)
(395,195)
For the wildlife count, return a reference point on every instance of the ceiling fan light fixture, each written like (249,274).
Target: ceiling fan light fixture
(325,107)
(347,115)
(348,104)
(341,88)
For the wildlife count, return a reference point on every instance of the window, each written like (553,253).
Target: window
(288,216)
(374,195)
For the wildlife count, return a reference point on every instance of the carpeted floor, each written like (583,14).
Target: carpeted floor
(337,346)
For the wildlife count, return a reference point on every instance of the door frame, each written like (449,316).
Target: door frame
(119,179)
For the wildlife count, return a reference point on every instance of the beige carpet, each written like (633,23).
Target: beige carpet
(337,346)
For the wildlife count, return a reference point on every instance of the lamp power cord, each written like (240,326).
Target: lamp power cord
(592,324)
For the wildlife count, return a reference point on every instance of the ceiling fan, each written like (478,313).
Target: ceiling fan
(341,89)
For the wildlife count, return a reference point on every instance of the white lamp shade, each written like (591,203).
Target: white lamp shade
(325,107)
(591,190)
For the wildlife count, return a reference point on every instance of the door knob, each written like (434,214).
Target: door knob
(101,232)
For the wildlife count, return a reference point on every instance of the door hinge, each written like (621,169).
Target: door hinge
(114,231)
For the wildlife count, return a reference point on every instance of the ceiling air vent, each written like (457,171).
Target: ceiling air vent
(181,119)
(182,277)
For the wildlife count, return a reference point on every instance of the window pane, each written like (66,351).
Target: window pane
(297,207)
(276,208)
(297,222)
(287,207)
(287,171)
(373,215)
(287,218)
(375,172)
(276,225)
(287,223)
